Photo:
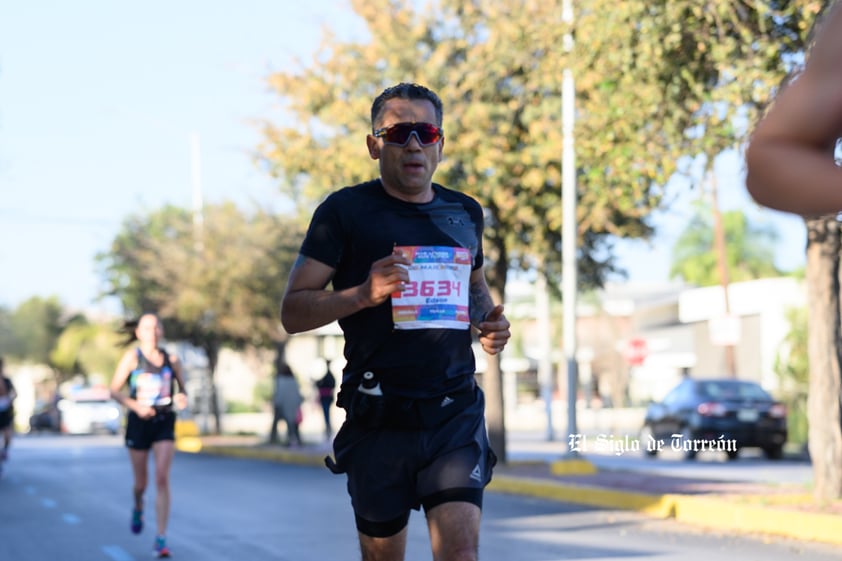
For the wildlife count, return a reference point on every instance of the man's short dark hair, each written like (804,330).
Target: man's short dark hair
(406,90)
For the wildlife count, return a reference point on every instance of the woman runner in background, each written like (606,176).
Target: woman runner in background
(151,375)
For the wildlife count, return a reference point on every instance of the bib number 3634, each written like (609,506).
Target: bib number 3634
(436,295)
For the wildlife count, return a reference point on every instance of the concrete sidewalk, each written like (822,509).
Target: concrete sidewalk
(752,508)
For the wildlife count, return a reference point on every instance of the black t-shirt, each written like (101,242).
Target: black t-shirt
(358,225)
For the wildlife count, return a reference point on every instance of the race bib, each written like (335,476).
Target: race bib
(436,295)
(153,389)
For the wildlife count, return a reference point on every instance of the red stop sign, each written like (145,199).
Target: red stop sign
(636,351)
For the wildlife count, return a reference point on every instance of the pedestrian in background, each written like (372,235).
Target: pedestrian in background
(7,412)
(790,156)
(151,375)
(404,259)
(286,403)
(326,388)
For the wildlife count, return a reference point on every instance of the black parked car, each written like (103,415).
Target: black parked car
(46,417)
(715,414)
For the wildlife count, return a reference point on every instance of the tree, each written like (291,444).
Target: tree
(8,340)
(215,282)
(824,244)
(87,349)
(496,67)
(655,81)
(793,369)
(36,324)
(749,252)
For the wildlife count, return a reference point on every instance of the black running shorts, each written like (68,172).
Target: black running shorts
(391,472)
(142,433)
(6,418)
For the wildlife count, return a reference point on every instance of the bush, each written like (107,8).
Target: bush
(241,407)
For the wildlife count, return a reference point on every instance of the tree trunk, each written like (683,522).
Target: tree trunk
(825,355)
(212,351)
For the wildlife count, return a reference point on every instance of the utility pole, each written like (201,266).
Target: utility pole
(722,263)
(569,227)
(196,180)
(545,363)
(208,392)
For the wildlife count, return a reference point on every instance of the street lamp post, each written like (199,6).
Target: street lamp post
(569,228)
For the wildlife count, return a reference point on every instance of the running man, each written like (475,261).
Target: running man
(405,260)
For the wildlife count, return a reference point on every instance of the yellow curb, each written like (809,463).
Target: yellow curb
(186,427)
(661,506)
(190,444)
(722,514)
(284,456)
(572,466)
(710,512)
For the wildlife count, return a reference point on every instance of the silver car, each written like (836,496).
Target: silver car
(89,412)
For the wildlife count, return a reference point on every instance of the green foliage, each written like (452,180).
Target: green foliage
(793,369)
(136,266)
(41,331)
(219,282)
(242,407)
(33,329)
(495,65)
(215,280)
(655,80)
(89,349)
(65,354)
(749,249)
(264,390)
(8,338)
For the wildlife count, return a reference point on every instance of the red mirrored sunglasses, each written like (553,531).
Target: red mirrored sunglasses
(400,133)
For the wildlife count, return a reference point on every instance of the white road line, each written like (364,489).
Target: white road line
(48,503)
(117,553)
(71,518)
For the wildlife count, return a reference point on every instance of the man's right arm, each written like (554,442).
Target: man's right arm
(307,305)
(790,155)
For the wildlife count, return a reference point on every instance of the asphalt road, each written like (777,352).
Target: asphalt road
(69,498)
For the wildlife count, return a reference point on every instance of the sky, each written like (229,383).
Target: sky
(99,101)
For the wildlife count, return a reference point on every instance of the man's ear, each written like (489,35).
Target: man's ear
(373,147)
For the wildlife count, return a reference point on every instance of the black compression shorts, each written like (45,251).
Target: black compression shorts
(391,472)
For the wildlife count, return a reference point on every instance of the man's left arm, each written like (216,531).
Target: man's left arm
(486,317)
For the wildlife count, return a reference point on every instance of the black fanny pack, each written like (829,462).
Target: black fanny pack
(401,413)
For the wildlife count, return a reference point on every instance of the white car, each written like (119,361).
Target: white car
(90,411)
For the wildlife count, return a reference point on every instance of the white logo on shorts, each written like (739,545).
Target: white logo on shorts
(446,401)
(476,475)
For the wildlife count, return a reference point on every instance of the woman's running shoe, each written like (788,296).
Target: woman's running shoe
(137,521)
(161,549)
